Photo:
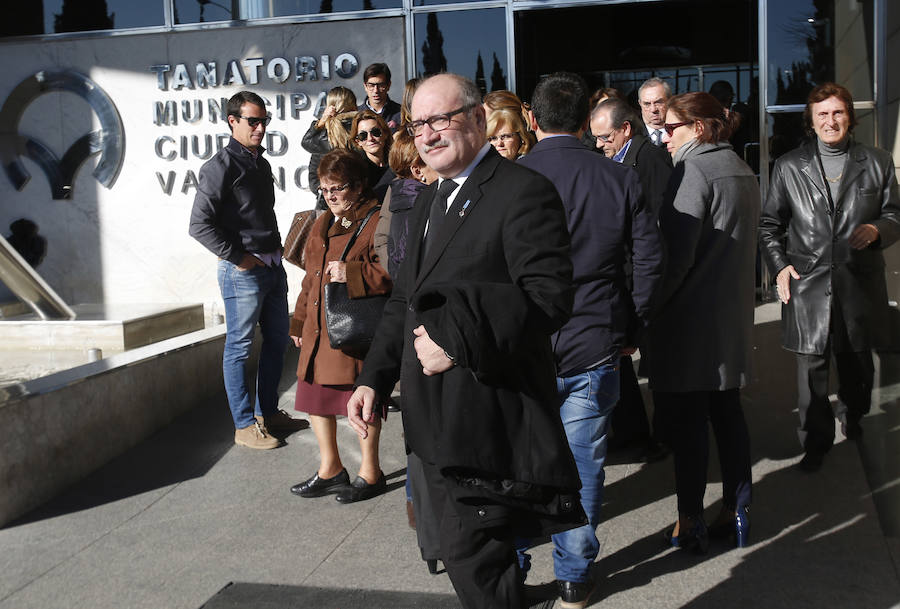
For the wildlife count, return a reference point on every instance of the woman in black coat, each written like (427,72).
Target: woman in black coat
(372,138)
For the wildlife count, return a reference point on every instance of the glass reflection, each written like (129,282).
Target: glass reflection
(90,15)
(816,41)
(199,11)
(478,50)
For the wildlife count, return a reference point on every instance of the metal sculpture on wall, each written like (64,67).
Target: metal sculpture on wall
(109,140)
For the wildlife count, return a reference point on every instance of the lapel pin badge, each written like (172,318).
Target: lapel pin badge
(345,222)
(462,212)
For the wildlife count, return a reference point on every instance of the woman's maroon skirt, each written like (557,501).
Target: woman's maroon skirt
(322,400)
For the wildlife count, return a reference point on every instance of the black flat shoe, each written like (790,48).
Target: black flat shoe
(360,490)
(316,486)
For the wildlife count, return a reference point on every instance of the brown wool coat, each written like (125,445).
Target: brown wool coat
(319,363)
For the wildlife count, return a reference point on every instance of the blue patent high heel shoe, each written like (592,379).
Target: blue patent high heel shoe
(742,527)
(734,524)
(695,539)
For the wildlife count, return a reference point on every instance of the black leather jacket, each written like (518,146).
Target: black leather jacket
(802,227)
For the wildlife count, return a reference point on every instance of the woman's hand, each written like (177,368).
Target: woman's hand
(329,112)
(298,342)
(337,271)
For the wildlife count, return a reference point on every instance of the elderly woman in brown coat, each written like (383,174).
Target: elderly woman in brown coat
(325,376)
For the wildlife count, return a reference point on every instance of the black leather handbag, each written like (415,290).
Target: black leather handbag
(351,322)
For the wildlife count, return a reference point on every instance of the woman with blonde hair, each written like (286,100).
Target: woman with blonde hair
(330,132)
(506,132)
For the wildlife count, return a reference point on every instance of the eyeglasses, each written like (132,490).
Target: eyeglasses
(605,138)
(438,122)
(671,127)
(362,136)
(504,137)
(253,121)
(334,189)
(381,86)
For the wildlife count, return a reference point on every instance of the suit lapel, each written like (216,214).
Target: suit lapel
(810,168)
(469,196)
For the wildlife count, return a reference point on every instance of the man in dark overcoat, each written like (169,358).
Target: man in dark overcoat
(832,207)
(487,279)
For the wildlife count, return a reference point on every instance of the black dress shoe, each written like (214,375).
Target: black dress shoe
(654,451)
(360,490)
(811,462)
(316,486)
(574,595)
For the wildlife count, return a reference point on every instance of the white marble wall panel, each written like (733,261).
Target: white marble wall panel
(129,243)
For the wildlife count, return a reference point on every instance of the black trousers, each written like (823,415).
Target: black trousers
(629,419)
(481,563)
(686,417)
(856,373)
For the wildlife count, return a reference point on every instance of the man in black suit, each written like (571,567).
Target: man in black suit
(623,138)
(621,135)
(486,281)
(607,220)
(377,80)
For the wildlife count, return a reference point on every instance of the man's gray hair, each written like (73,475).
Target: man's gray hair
(656,81)
(468,90)
(619,111)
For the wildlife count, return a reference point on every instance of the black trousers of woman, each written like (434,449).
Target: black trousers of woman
(686,417)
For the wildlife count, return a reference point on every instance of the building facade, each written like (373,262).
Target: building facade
(111,106)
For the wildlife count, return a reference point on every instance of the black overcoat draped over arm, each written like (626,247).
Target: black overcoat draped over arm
(800,227)
(504,241)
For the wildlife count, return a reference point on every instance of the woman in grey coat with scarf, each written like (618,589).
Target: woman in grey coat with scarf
(700,335)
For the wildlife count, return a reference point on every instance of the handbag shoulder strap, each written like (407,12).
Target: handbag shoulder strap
(362,225)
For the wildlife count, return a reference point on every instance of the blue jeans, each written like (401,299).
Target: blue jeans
(589,399)
(257,295)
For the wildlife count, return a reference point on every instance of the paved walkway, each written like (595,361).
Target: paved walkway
(188,520)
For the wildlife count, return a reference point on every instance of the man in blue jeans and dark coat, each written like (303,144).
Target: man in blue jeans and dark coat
(234,218)
(607,218)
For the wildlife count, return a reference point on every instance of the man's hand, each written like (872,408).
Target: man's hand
(248,261)
(432,357)
(359,410)
(863,236)
(298,342)
(783,282)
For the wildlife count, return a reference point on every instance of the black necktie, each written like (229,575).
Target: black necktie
(438,211)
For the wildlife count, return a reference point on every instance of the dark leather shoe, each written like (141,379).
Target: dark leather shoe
(811,462)
(574,595)
(654,451)
(316,486)
(360,490)
(694,540)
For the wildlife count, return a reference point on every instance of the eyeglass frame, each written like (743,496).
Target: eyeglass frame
(253,121)
(369,132)
(380,86)
(670,128)
(505,137)
(419,125)
(327,192)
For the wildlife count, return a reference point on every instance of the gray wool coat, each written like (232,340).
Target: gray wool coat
(699,337)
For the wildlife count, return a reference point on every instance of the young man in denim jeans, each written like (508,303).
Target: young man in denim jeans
(234,218)
(606,216)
